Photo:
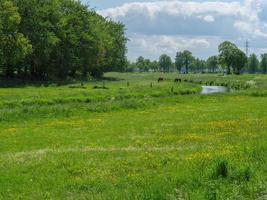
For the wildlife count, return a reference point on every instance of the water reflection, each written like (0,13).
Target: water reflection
(214,89)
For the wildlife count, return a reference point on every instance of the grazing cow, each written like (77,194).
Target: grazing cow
(177,80)
(160,79)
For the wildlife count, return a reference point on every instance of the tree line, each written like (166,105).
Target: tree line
(58,39)
(230,59)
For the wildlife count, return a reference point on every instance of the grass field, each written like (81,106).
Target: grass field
(130,137)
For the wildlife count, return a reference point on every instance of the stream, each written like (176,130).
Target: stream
(214,89)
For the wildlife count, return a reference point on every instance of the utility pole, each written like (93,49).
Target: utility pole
(247,52)
(247,47)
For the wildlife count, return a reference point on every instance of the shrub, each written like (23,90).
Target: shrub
(222,169)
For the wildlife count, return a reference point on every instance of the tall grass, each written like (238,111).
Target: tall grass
(134,139)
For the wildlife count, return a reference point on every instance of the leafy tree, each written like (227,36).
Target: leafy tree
(39,22)
(195,65)
(116,53)
(130,66)
(239,61)
(184,59)
(230,56)
(213,63)
(144,64)
(253,63)
(147,64)
(263,63)
(203,65)
(188,59)
(140,63)
(57,39)
(179,61)
(198,65)
(154,65)
(165,62)
(14,46)
(226,55)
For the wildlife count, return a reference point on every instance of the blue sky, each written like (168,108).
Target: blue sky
(166,26)
(102,4)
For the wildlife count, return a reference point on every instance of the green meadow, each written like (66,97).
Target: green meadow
(130,137)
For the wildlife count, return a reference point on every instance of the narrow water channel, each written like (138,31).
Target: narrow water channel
(214,89)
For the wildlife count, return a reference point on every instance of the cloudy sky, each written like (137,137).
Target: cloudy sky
(166,26)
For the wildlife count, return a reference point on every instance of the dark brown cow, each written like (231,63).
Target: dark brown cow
(177,80)
(160,79)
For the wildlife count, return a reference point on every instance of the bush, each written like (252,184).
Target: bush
(222,169)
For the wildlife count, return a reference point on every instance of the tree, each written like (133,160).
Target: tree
(230,56)
(203,65)
(253,63)
(140,63)
(154,65)
(39,19)
(213,63)
(198,65)
(263,63)
(165,62)
(116,52)
(57,39)
(239,61)
(179,61)
(188,59)
(184,59)
(195,65)
(226,55)
(14,46)
(147,64)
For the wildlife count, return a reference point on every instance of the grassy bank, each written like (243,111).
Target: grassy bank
(133,138)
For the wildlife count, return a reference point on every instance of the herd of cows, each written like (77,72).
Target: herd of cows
(177,80)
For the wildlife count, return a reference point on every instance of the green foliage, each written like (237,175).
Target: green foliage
(14,46)
(165,63)
(140,62)
(143,65)
(154,65)
(239,61)
(231,57)
(253,63)
(198,65)
(184,59)
(213,63)
(226,54)
(263,63)
(57,39)
(116,53)
(222,169)
(179,61)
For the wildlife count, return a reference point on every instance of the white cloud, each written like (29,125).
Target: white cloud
(174,8)
(165,43)
(209,18)
(168,26)
(244,26)
(154,45)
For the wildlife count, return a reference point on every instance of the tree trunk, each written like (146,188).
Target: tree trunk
(228,70)
(9,72)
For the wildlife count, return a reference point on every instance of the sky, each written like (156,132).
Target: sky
(155,27)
